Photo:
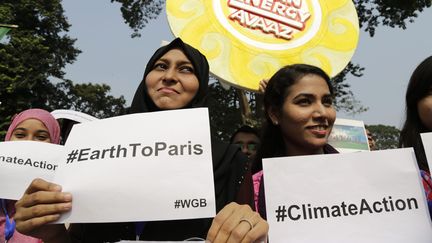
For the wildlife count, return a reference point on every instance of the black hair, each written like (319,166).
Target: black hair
(244,129)
(419,86)
(272,143)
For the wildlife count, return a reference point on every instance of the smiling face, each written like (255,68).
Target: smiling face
(31,130)
(172,83)
(306,117)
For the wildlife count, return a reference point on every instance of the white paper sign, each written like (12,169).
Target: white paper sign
(140,167)
(23,161)
(427,144)
(374,197)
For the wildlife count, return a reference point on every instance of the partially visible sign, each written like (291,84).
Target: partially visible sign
(246,41)
(427,144)
(23,161)
(349,136)
(374,197)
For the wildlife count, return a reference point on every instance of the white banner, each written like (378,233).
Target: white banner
(139,167)
(23,161)
(427,144)
(374,197)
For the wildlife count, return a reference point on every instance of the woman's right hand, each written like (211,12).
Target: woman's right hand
(42,203)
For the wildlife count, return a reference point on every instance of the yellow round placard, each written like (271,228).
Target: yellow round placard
(246,41)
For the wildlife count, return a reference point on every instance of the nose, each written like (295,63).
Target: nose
(319,111)
(245,150)
(170,76)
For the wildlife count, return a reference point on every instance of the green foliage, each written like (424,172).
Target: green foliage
(386,137)
(393,13)
(92,99)
(36,51)
(225,114)
(344,97)
(137,13)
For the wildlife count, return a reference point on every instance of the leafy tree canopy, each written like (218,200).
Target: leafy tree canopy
(35,52)
(386,137)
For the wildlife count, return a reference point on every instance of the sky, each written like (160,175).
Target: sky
(109,55)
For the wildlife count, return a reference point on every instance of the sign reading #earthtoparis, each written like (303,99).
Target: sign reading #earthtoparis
(248,40)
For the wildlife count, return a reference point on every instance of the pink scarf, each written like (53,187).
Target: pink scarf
(42,115)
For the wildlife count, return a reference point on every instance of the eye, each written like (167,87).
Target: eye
(43,136)
(252,146)
(19,135)
(327,101)
(186,69)
(303,101)
(160,66)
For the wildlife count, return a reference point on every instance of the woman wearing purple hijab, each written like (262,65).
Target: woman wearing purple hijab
(33,125)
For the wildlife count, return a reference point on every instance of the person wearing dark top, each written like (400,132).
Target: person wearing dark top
(176,77)
(418,120)
(298,103)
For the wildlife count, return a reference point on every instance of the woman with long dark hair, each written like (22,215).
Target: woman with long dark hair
(298,102)
(419,119)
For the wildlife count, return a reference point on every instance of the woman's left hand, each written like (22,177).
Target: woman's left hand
(238,224)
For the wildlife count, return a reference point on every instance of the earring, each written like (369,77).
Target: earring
(275,123)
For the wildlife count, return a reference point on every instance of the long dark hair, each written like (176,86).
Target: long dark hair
(272,143)
(419,87)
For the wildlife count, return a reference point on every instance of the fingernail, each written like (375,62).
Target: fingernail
(67,206)
(67,196)
(57,188)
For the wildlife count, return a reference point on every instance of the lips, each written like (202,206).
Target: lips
(319,130)
(167,90)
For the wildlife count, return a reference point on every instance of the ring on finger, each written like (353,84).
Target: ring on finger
(247,221)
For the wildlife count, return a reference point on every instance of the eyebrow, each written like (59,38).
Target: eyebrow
(310,95)
(181,62)
(24,130)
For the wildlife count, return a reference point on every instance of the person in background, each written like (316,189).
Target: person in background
(176,77)
(298,103)
(247,138)
(32,125)
(418,119)
(371,140)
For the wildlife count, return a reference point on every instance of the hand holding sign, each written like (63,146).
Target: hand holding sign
(41,204)
(238,223)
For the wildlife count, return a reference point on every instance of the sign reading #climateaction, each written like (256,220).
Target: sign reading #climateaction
(374,197)
(23,161)
(248,40)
